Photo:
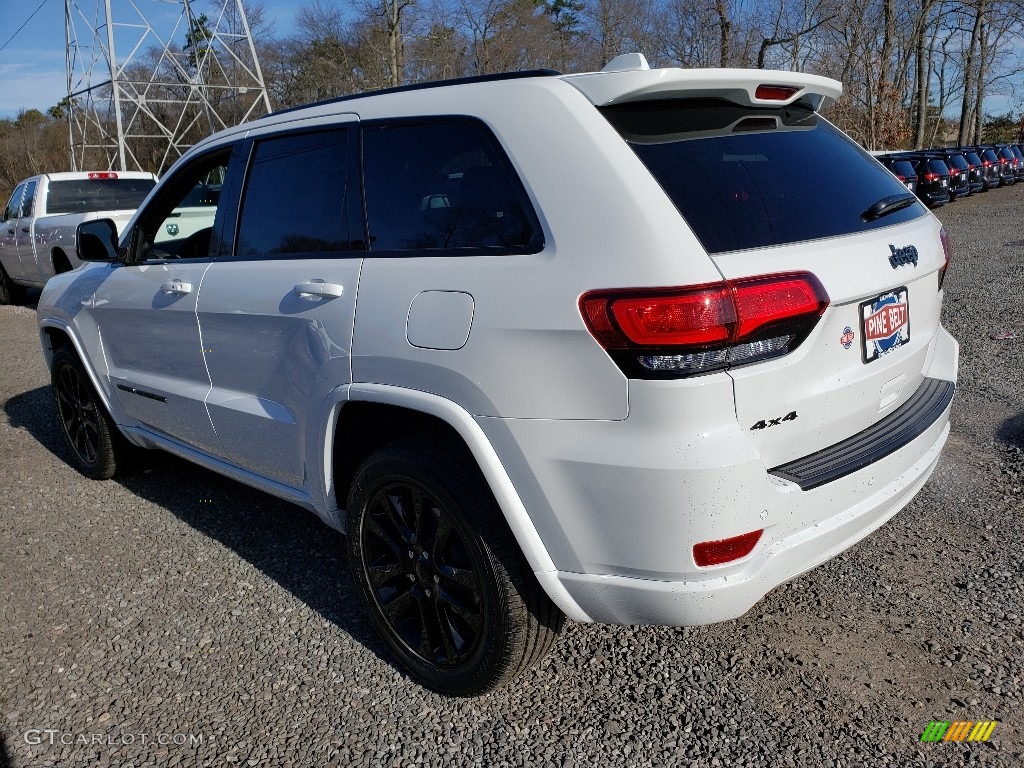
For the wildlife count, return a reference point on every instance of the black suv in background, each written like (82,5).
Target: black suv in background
(902,169)
(933,181)
(1007,164)
(987,175)
(1019,154)
(993,164)
(960,183)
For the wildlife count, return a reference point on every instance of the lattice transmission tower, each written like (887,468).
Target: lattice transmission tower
(147,79)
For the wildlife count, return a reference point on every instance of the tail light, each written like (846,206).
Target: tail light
(678,332)
(725,550)
(901,178)
(947,252)
(932,177)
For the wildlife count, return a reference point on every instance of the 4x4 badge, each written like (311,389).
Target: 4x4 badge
(764,424)
(905,255)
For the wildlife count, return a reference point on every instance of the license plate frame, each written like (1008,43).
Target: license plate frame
(884,323)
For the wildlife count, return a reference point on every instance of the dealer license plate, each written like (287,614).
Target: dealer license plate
(885,323)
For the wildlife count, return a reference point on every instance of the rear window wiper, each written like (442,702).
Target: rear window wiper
(888,205)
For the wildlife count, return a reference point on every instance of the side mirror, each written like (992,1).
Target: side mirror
(97,240)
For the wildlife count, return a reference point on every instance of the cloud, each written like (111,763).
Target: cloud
(39,86)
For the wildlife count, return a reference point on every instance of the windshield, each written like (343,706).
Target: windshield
(750,177)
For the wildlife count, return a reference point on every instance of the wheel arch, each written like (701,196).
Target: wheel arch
(53,336)
(399,413)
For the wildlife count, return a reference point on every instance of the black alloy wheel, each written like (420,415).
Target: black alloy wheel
(98,450)
(443,578)
(423,578)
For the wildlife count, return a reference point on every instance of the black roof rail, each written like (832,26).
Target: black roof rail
(526,73)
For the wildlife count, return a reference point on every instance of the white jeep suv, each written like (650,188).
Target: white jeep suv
(633,346)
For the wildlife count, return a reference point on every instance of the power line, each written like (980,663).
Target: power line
(11,38)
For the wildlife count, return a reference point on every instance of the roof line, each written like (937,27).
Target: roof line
(423,86)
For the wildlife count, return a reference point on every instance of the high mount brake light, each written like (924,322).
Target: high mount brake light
(676,332)
(102,175)
(775,92)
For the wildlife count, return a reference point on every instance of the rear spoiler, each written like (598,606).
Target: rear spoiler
(628,78)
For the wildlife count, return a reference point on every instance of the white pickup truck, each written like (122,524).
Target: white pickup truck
(37,235)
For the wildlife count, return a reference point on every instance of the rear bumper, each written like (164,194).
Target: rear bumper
(619,505)
(626,600)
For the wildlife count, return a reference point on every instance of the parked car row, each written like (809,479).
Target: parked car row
(942,174)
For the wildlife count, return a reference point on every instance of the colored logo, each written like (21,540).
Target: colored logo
(961,730)
(172,229)
(847,338)
(885,323)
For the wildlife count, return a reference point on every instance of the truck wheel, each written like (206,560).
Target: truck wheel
(445,582)
(98,449)
(10,291)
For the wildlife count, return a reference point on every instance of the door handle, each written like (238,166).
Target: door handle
(25,230)
(10,231)
(319,289)
(176,287)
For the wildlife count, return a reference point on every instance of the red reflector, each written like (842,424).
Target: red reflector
(102,175)
(901,178)
(698,316)
(774,92)
(725,550)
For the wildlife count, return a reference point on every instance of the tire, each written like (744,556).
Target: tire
(10,291)
(445,582)
(98,449)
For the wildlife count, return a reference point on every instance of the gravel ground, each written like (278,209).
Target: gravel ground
(178,618)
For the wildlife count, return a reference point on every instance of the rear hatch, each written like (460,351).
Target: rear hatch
(776,189)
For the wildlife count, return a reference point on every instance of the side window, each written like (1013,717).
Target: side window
(28,200)
(13,205)
(181,222)
(443,186)
(294,201)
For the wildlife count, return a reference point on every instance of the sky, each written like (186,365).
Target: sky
(33,62)
(33,65)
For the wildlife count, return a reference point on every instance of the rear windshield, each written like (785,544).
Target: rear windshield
(903,168)
(85,195)
(748,177)
(957,161)
(972,158)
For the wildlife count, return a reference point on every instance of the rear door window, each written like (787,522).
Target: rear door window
(748,177)
(443,187)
